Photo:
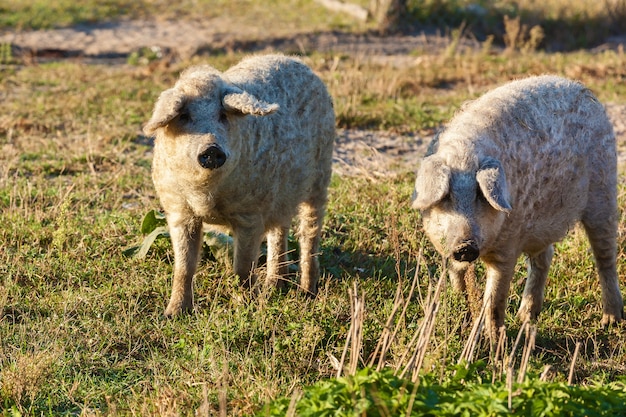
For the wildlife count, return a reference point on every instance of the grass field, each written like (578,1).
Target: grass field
(81,325)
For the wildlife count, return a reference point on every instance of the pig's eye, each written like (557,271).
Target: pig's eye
(480,197)
(223,118)
(184,117)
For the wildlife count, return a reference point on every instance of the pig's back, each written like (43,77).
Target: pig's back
(555,143)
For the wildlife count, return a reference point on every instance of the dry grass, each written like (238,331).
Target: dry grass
(24,378)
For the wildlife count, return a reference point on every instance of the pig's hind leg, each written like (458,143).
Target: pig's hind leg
(310,216)
(600,222)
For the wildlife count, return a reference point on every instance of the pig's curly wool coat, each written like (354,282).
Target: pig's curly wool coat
(545,148)
(266,128)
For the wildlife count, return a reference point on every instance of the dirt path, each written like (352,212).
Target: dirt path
(358,152)
(111,40)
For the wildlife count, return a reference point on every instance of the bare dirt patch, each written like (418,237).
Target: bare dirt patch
(358,152)
(187,38)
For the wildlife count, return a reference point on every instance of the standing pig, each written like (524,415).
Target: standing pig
(246,150)
(511,174)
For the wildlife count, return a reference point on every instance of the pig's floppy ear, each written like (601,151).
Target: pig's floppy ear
(492,183)
(432,183)
(241,102)
(167,107)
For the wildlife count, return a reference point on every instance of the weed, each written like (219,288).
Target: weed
(145,56)
(519,37)
(6,54)
(25,378)
(375,393)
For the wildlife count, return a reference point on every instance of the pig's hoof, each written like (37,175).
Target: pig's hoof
(528,310)
(609,319)
(177,310)
(310,293)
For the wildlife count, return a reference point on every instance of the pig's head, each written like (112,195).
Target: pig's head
(462,210)
(193,122)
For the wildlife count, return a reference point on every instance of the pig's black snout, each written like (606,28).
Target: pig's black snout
(467,251)
(212,158)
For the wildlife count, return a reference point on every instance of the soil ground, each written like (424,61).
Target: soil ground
(358,152)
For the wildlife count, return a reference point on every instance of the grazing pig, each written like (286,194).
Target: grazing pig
(512,172)
(247,149)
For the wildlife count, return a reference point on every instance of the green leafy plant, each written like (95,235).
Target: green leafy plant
(219,245)
(154,226)
(461,393)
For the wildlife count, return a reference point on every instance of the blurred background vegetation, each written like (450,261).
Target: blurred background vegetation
(555,25)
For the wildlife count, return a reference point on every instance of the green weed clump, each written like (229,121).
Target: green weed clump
(381,393)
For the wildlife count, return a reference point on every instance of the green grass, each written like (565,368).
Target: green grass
(81,326)
(296,15)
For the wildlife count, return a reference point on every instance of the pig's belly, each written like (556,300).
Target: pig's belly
(548,219)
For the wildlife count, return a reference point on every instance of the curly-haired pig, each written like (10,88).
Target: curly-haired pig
(247,149)
(512,172)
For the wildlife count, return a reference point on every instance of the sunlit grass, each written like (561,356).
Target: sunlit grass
(279,16)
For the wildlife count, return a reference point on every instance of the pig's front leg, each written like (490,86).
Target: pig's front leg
(277,262)
(499,275)
(247,241)
(186,235)
(532,300)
